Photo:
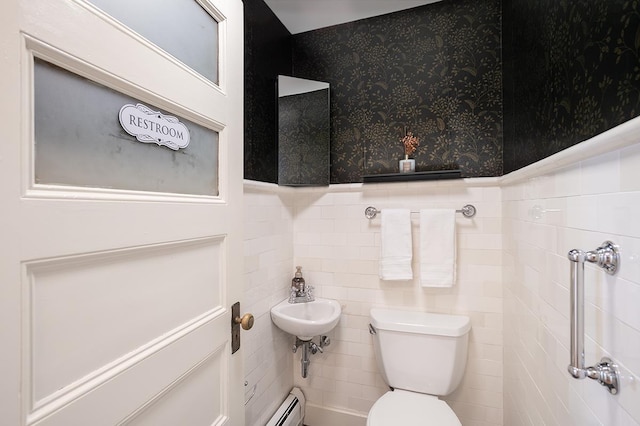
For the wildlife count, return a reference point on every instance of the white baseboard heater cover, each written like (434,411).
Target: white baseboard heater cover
(291,411)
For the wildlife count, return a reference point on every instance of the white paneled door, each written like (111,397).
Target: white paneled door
(120,256)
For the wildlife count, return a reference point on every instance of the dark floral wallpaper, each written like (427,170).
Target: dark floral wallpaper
(571,70)
(434,70)
(267,53)
(303,139)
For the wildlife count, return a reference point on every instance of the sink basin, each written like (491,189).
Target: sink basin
(306,320)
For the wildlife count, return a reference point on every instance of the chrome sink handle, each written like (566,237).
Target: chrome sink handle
(607,256)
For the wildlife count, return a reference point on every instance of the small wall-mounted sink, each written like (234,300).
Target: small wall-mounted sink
(306,320)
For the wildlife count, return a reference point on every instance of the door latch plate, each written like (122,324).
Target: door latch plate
(235,328)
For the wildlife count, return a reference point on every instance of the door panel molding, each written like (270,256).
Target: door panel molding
(141,378)
(214,363)
(206,5)
(63,268)
(37,48)
(46,51)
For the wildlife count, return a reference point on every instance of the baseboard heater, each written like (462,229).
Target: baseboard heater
(291,411)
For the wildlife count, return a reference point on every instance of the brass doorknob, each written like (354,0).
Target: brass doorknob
(246,322)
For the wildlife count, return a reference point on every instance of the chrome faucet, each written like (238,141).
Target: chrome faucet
(302,296)
(300,291)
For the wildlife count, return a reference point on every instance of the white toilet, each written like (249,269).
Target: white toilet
(421,356)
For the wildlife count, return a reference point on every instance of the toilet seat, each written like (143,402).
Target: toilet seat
(406,408)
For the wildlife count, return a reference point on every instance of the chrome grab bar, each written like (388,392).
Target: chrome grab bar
(607,256)
(576,368)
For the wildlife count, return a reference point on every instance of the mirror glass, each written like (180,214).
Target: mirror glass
(303,132)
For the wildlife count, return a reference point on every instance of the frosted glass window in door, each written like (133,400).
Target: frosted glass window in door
(79,141)
(182,28)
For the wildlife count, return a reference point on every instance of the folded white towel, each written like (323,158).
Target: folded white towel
(395,245)
(437,247)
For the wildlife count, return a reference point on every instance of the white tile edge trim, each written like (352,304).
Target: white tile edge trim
(257,186)
(621,136)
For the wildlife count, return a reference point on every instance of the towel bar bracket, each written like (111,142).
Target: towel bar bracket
(467,211)
(370,212)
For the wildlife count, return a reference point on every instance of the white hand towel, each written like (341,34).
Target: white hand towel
(395,245)
(437,247)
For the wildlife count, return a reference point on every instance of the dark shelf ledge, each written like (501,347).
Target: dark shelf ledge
(407,177)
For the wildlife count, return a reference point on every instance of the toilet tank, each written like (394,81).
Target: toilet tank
(420,351)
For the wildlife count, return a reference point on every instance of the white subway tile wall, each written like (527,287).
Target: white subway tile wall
(527,221)
(268,256)
(546,215)
(339,250)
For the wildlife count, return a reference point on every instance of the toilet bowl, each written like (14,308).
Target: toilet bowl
(421,356)
(405,408)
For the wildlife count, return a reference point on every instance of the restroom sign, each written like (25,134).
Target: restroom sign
(151,126)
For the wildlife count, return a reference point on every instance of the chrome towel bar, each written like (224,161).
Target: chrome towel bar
(607,256)
(468,211)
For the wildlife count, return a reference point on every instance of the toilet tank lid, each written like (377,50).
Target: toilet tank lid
(420,322)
